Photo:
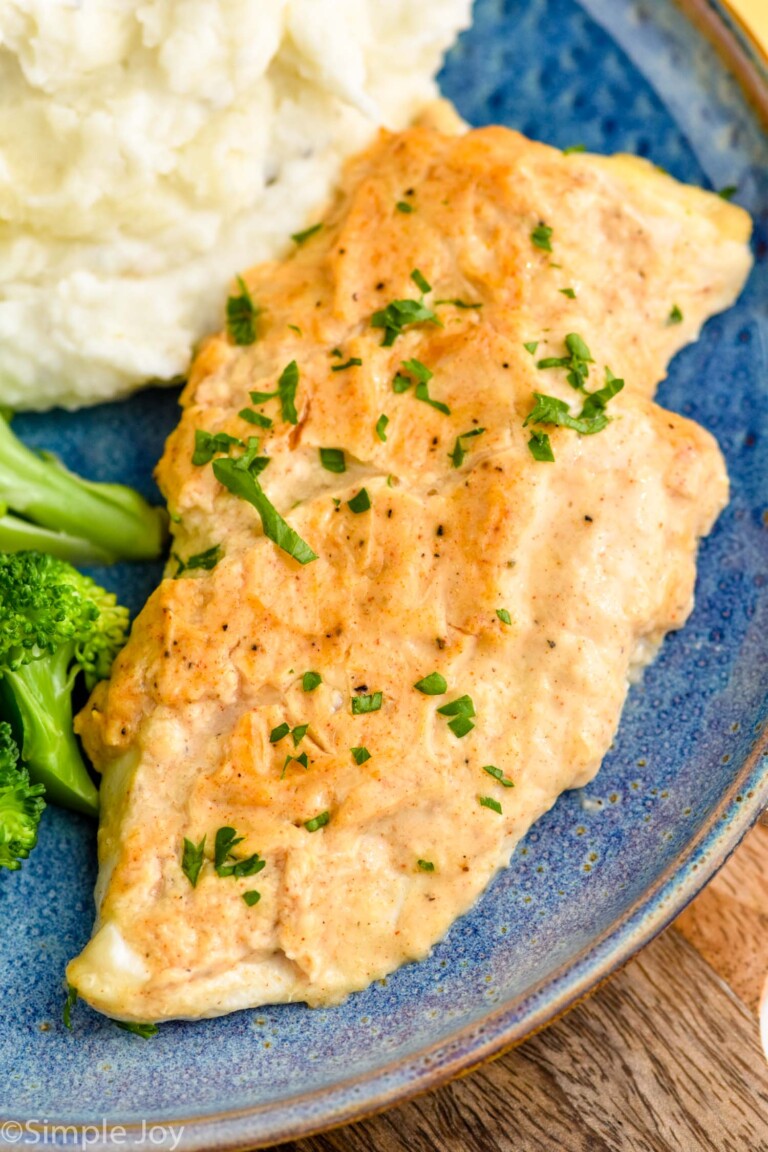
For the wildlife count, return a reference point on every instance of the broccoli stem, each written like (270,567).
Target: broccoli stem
(111,516)
(17,535)
(41,697)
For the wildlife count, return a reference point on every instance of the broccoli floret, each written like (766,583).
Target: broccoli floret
(54,624)
(94,523)
(21,805)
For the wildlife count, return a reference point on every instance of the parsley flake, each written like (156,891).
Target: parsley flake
(286,391)
(497,774)
(381,427)
(279,733)
(302,759)
(210,444)
(504,615)
(399,315)
(242,483)
(360,754)
(461,709)
(192,860)
(206,560)
(577,361)
(432,685)
(302,237)
(257,418)
(459,303)
(367,703)
(316,822)
(145,1031)
(405,207)
(425,865)
(572,148)
(298,733)
(540,448)
(531,347)
(420,281)
(69,1003)
(252,897)
(241,316)
(332,459)
(489,802)
(459,451)
(541,237)
(675,316)
(360,502)
(353,362)
(310,681)
(569,292)
(728,192)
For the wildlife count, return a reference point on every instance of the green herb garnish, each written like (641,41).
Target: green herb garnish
(381,427)
(541,237)
(252,897)
(569,292)
(461,709)
(317,822)
(459,303)
(192,860)
(531,347)
(504,615)
(489,802)
(360,502)
(241,483)
(332,459)
(569,151)
(255,418)
(360,754)
(279,733)
(540,448)
(353,362)
(145,1031)
(425,865)
(404,206)
(310,681)
(210,444)
(498,775)
(459,451)
(728,192)
(242,314)
(432,685)
(69,1003)
(302,237)
(675,316)
(367,703)
(576,362)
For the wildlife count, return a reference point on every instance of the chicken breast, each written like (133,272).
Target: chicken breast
(370,669)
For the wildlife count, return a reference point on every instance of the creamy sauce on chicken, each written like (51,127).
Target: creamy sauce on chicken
(474,610)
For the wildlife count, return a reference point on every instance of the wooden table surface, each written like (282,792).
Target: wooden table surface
(664,1058)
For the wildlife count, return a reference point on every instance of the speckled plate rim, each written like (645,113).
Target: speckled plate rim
(505,1028)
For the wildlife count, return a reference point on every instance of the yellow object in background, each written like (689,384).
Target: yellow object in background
(754,13)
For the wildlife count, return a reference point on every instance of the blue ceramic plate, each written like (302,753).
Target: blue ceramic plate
(607,867)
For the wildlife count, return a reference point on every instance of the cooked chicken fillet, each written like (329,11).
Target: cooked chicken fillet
(532,587)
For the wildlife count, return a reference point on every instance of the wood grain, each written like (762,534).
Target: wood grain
(665,1058)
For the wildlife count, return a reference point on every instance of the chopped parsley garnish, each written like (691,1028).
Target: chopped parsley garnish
(401,313)
(337,352)
(531,347)
(241,316)
(416,373)
(206,560)
(302,237)
(541,237)
(420,281)
(540,448)
(489,802)
(461,709)
(404,206)
(459,303)
(69,1003)
(210,444)
(353,362)
(728,192)
(279,733)
(251,897)
(146,1031)
(226,840)
(360,754)
(569,151)
(497,774)
(577,361)
(591,419)
(242,483)
(675,316)
(569,292)
(310,681)
(360,503)
(295,328)
(422,393)
(459,451)
(332,459)
(381,427)
(504,615)
(316,822)
(432,685)
(425,865)
(192,860)
(255,418)
(367,703)
(286,390)
(302,759)
(298,733)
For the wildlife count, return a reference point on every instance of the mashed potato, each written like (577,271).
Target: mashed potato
(150,150)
